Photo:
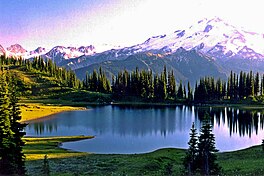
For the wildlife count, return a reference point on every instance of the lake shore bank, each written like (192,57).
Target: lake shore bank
(37,111)
(69,162)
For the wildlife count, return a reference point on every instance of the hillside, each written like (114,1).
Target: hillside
(186,65)
(38,87)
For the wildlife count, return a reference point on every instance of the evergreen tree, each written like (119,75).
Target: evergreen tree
(190,160)
(163,86)
(45,167)
(180,91)
(256,85)
(251,84)
(17,129)
(262,85)
(206,149)
(7,162)
(190,94)
(171,85)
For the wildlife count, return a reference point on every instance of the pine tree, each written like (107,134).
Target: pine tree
(45,167)
(180,91)
(262,85)
(191,154)
(17,129)
(190,93)
(162,87)
(6,135)
(251,84)
(206,149)
(171,85)
(256,85)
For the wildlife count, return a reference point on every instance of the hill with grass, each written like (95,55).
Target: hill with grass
(39,86)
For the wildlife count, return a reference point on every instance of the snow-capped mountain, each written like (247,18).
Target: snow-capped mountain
(210,36)
(69,52)
(228,45)
(16,50)
(61,53)
(2,50)
(37,52)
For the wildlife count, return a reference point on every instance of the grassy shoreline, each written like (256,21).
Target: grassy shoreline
(36,111)
(65,162)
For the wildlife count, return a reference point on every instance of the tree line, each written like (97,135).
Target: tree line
(11,131)
(65,77)
(237,87)
(145,84)
(149,86)
(142,84)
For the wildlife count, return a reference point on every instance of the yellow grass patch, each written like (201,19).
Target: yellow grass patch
(22,76)
(31,157)
(35,111)
(37,148)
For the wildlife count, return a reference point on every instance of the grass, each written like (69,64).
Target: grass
(64,162)
(243,162)
(31,111)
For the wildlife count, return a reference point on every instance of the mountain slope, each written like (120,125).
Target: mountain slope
(61,53)
(2,50)
(233,48)
(209,36)
(186,65)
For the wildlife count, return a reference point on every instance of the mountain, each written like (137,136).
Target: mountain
(60,53)
(222,46)
(232,48)
(186,65)
(57,53)
(16,50)
(214,37)
(2,50)
(39,50)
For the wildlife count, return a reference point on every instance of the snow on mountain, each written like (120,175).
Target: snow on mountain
(212,37)
(37,52)
(105,47)
(209,36)
(16,50)
(70,52)
(2,50)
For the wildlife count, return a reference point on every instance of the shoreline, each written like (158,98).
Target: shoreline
(37,111)
(238,105)
(233,163)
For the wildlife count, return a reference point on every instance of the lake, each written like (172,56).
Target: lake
(141,129)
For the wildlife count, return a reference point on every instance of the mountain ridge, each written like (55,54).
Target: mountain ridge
(217,42)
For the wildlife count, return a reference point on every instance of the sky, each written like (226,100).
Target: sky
(49,23)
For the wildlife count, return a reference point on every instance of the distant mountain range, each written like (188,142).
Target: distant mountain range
(209,47)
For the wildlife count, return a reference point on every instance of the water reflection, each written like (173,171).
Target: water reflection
(134,129)
(122,121)
(145,120)
(242,122)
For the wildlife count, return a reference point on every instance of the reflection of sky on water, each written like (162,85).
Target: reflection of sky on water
(137,130)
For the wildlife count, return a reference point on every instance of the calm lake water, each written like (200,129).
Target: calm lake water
(130,129)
